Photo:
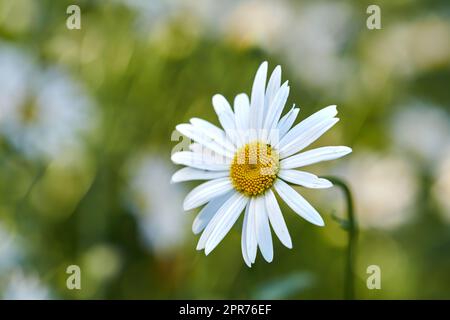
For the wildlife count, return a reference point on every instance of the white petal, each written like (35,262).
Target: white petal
(196,147)
(257,97)
(206,233)
(263,233)
(226,218)
(207,191)
(225,115)
(293,145)
(314,156)
(287,121)
(304,179)
(205,215)
(200,161)
(244,238)
(276,219)
(198,136)
(297,203)
(273,85)
(275,109)
(213,132)
(242,114)
(321,115)
(189,174)
(209,155)
(325,113)
(252,244)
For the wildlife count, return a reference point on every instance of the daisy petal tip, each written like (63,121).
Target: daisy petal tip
(175,178)
(262,70)
(318,221)
(208,250)
(218,102)
(285,84)
(346,150)
(174,157)
(199,247)
(241,96)
(288,243)
(332,109)
(187,206)
(325,183)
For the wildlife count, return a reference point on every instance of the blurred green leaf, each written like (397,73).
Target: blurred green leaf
(285,287)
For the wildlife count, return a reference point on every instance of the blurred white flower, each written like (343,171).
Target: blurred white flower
(384,187)
(43,113)
(16,70)
(152,12)
(409,47)
(310,36)
(17,285)
(156,204)
(421,129)
(22,286)
(258,23)
(314,40)
(441,187)
(10,249)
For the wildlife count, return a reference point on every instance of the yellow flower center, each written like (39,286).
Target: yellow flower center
(254,168)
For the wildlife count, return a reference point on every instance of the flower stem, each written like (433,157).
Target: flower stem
(352,228)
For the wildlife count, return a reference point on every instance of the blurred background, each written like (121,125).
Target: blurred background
(86,128)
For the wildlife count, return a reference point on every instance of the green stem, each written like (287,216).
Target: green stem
(352,229)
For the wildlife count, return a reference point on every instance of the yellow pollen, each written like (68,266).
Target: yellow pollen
(254,168)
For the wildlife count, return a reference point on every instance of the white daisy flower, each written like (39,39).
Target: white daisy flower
(161,227)
(251,159)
